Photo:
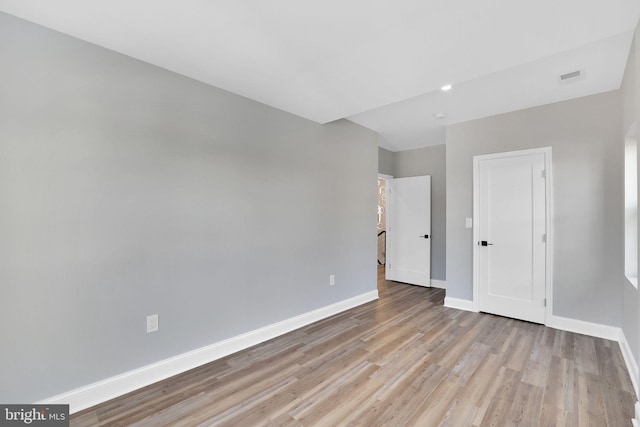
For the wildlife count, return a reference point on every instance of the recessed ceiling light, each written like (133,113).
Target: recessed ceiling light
(445,88)
(439,116)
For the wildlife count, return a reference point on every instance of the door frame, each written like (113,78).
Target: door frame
(546,151)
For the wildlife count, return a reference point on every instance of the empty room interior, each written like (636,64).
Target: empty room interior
(188,227)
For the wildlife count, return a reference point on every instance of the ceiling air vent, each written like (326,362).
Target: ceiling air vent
(573,76)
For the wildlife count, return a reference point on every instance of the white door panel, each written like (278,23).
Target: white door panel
(511,270)
(408,222)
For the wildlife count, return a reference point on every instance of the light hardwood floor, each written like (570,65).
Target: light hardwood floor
(403,360)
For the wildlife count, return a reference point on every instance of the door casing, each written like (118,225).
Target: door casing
(549,223)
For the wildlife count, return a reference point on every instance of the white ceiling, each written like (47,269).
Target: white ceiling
(379,63)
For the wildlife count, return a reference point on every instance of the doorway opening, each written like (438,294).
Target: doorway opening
(381,228)
(382,221)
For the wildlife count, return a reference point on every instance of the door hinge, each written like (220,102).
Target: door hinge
(544,173)
(544,238)
(544,301)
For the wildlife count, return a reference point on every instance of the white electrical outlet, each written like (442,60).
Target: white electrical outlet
(152,323)
(332,280)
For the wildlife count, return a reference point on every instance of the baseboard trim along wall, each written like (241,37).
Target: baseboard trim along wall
(632,366)
(101,391)
(585,328)
(460,304)
(438,284)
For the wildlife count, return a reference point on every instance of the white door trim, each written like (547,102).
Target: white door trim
(546,151)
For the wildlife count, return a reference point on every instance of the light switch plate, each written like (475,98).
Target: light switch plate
(468,222)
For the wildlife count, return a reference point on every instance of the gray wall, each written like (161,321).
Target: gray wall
(386,162)
(430,161)
(585,137)
(127,190)
(630,101)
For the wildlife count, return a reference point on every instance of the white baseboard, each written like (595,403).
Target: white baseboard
(101,391)
(585,328)
(438,284)
(632,366)
(460,304)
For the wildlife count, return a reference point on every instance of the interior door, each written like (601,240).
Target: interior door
(511,245)
(409,230)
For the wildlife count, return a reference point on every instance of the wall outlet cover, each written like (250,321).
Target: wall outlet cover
(152,323)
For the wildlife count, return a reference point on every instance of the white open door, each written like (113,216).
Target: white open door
(409,230)
(511,218)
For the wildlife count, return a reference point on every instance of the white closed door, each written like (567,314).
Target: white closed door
(511,235)
(409,230)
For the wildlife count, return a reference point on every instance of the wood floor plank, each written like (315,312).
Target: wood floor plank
(334,396)
(497,413)
(525,407)
(403,360)
(537,367)
(412,393)
(459,414)
(434,409)
(480,388)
